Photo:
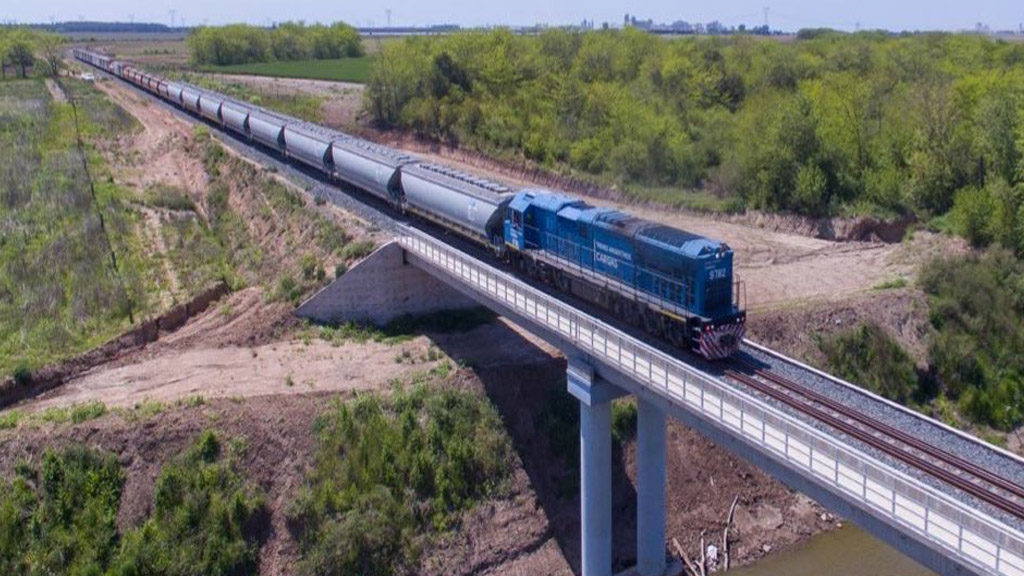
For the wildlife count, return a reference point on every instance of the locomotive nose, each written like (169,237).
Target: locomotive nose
(727,340)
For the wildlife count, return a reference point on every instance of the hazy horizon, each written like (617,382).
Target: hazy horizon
(784,15)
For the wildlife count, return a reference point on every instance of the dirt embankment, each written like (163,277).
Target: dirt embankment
(149,330)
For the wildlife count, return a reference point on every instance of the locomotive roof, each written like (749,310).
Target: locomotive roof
(688,243)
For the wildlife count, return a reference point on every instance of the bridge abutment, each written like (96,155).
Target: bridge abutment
(381,287)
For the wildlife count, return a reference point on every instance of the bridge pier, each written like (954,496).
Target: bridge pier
(595,397)
(650,489)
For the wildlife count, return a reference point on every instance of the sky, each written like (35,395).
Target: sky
(782,14)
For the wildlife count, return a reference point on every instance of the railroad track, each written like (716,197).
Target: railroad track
(966,476)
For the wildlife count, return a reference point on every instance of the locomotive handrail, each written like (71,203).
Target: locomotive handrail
(984,542)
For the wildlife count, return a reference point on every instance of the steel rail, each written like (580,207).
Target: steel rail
(874,441)
(913,441)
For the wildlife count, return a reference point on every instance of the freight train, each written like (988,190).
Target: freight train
(675,285)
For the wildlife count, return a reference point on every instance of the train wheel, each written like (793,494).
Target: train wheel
(531,267)
(652,323)
(677,335)
(564,282)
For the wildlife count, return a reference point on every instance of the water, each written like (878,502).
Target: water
(848,551)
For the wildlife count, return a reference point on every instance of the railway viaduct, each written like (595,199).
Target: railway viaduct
(950,535)
(975,527)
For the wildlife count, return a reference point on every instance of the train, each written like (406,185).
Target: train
(673,284)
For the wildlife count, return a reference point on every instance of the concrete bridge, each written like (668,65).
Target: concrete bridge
(418,273)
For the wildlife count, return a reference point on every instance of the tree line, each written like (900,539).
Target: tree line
(244,44)
(828,124)
(21,49)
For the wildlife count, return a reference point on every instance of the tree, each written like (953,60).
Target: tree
(50,46)
(3,54)
(19,50)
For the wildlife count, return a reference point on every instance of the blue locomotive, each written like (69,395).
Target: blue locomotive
(676,285)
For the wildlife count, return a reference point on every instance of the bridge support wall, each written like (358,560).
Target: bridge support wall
(379,289)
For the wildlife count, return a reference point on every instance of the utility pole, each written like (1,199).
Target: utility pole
(766,9)
(131,18)
(172,12)
(388,12)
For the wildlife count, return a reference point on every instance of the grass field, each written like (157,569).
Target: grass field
(342,70)
(72,270)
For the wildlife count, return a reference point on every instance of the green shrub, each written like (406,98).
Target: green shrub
(9,419)
(88,411)
(389,468)
(870,358)
(163,196)
(624,420)
(60,518)
(976,304)
(22,374)
(288,290)
(308,264)
(357,250)
(206,519)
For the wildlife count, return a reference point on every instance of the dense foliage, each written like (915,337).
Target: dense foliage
(243,43)
(869,357)
(390,468)
(993,214)
(826,124)
(977,311)
(24,49)
(206,519)
(60,517)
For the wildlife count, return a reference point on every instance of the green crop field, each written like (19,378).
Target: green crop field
(341,70)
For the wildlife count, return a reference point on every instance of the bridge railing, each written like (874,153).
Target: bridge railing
(967,533)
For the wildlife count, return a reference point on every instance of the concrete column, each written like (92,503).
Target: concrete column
(650,489)
(595,467)
(596,487)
